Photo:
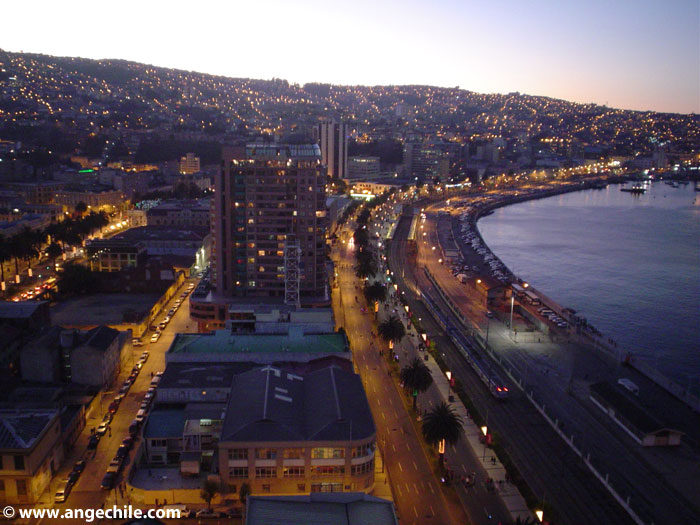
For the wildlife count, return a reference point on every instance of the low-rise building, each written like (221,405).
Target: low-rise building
(30,453)
(355,508)
(363,168)
(113,255)
(96,361)
(297,433)
(181,214)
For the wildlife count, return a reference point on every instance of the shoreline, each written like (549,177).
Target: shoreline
(595,339)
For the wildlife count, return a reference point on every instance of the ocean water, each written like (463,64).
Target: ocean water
(629,264)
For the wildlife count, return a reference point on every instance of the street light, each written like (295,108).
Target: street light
(484,430)
(512,302)
(540,515)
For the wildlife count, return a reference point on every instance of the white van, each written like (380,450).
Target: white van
(140,415)
(629,385)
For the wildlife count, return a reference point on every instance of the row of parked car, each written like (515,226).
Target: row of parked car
(65,486)
(117,463)
(549,314)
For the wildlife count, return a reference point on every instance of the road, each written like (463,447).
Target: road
(418,496)
(554,372)
(87,493)
(553,472)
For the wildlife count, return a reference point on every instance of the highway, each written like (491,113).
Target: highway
(553,472)
(556,373)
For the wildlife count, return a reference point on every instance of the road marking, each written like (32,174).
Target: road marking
(454,449)
(383,416)
(408,446)
(416,467)
(415,486)
(430,486)
(398,489)
(414,510)
(432,511)
(464,467)
(400,467)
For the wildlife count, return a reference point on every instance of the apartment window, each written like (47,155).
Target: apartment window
(363,468)
(293,472)
(261,253)
(159,443)
(238,453)
(363,450)
(238,472)
(19,462)
(327,453)
(265,453)
(21,487)
(301,487)
(251,260)
(327,470)
(2,485)
(266,487)
(293,453)
(265,472)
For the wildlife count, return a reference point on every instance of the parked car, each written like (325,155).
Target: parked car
(107,418)
(145,404)
(155,337)
(108,480)
(128,442)
(62,491)
(102,429)
(207,513)
(122,451)
(73,477)
(134,428)
(136,342)
(144,356)
(113,407)
(93,442)
(115,465)
(79,466)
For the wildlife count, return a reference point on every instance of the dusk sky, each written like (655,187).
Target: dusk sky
(632,54)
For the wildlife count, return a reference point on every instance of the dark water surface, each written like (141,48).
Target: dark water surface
(629,264)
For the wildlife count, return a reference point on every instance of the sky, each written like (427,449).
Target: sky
(631,54)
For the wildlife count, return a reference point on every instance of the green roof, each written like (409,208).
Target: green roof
(224,342)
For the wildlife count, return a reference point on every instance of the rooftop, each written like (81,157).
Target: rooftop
(330,509)
(225,342)
(18,310)
(328,404)
(101,337)
(154,233)
(166,423)
(20,429)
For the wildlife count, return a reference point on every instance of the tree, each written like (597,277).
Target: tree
(441,425)
(244,492)
(54,251)
(366,264)
(80,208)
(391,329)
(416,377)
(5,255)
(524,521)
(210,489)
(375,292)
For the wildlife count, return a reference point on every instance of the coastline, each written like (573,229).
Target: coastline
(591,337)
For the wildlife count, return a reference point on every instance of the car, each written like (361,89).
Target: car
(79,466)
(102,429)
(122,451)
(113,407)
(171,312)
(136,342)
(149,396)
(134,428)
(140,415)
(489,314)
(128,382)
(145,404)
(144,356)
(162,325)
(128,442)
(115,464)
(123,390)
(107,418)
(155,337)
(208,513)
(62,491)
(73,477)
(108,480)
(118,398)
(137,367)
(155,380)
(93,442)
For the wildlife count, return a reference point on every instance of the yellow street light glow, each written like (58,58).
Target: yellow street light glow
(484,430)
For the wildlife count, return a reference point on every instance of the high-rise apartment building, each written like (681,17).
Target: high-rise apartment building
(189,164)
(270,203)
(333,138)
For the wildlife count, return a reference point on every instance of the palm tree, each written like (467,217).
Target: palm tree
(524,521)
(375,292)
(5,255)
(416,377)
(80,208)
(391,330)
(441,425)
(244,492)
(54,251)
(210,489)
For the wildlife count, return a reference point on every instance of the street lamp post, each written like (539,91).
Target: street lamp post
(484,430)
(512,302)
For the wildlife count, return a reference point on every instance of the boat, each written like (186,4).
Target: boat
(637,188)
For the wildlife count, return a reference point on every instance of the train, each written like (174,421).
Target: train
(493,381)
